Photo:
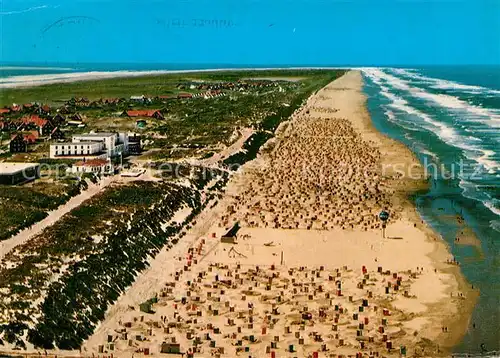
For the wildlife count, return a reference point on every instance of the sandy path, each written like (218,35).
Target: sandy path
(233,148)
(53,216)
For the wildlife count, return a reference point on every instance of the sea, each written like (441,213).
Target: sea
(449,116)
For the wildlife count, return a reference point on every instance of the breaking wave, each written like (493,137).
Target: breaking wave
(470,144)
(470,129)
(438,83)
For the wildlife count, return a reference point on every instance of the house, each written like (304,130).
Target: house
(57,134)
(45,109)
(34,119)
(30,137)
(76,117)
(228,240)
(19,125)
(7,125)
(47,128)
(114,143)
(16,173)
(80,102)
(58,119)
(151,113)
(96,166)
(17,144)
(167,97)
(65,110)
(77,150)
(44,126)
(75,120)
(134,144)
(78,124)
(111,100)
(230,236)
(184,95)
(141,98)
(101,145)
(4,110)
(16,108)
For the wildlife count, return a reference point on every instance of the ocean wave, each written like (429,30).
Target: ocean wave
(411,74)
(493,205)
(473,191)
(438,83)
(401,123)
(377,74)
(470,144)
(445,132)
(490,117)
(488,163)
(450,85)
(495,225)
(427,152)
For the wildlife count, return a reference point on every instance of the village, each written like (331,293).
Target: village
(31,127)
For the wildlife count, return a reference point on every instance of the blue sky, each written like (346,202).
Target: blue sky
(260,32)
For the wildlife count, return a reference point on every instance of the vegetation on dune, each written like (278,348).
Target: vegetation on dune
(22,206)
(90,285)
(249,151)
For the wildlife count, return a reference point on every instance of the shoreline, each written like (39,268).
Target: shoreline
(441,248)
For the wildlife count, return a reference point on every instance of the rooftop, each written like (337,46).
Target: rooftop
(143,113)
(75,143)
(91,163)
(11,168)
(95,135)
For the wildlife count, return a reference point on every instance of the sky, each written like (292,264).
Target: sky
(257,32)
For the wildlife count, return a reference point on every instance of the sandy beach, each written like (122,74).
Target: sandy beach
(309,273)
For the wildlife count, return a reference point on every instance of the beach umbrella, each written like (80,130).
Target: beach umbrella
(384,216)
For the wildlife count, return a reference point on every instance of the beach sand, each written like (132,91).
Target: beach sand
(309,273)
